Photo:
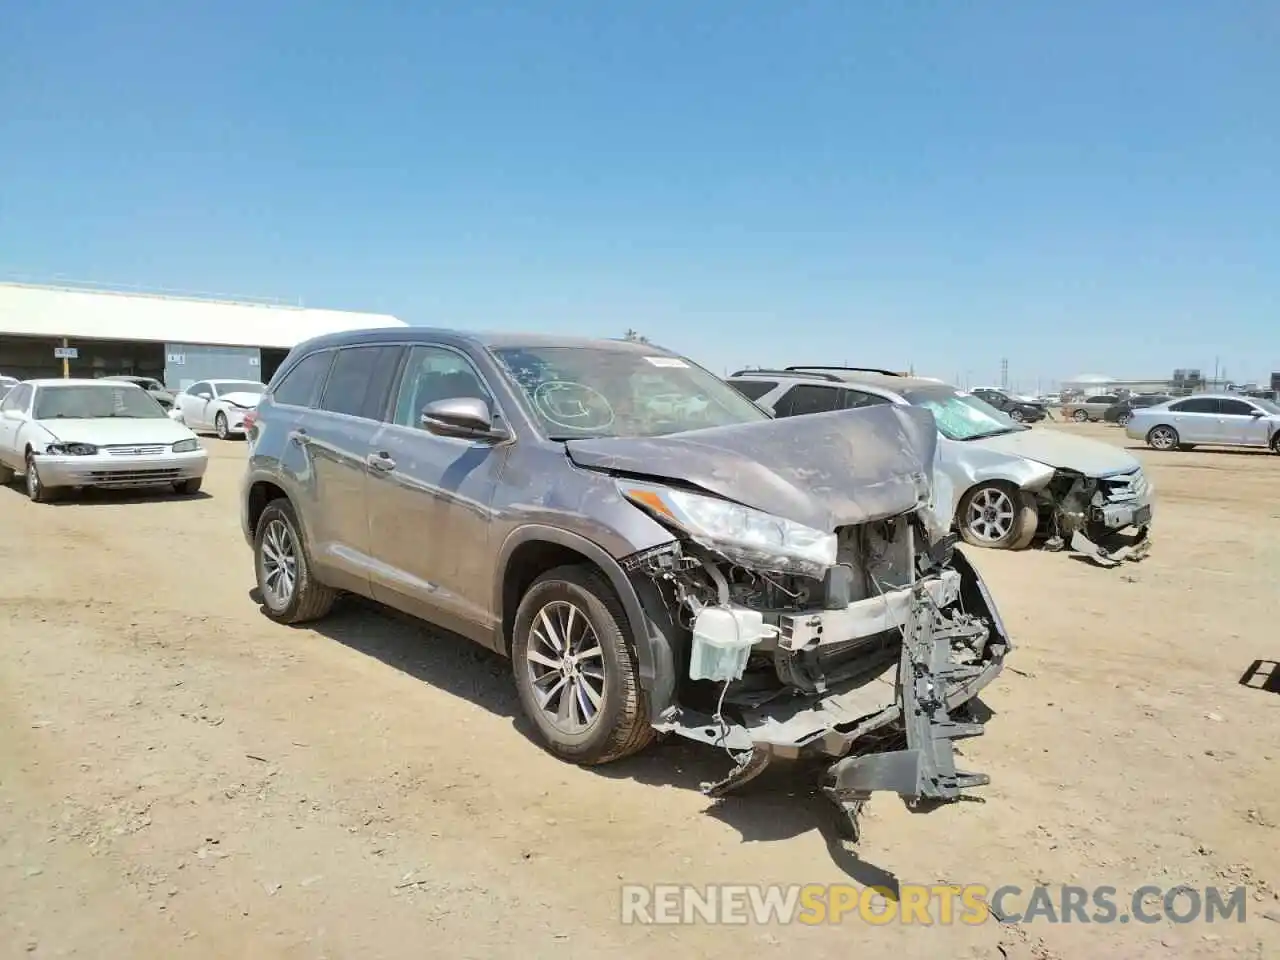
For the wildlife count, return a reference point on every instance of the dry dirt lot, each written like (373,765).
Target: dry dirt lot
(181,777)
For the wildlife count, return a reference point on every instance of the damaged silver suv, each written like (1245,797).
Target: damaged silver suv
(653,552)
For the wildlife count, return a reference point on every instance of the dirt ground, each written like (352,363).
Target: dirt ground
(181,777)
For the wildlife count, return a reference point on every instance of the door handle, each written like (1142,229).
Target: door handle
(380,461)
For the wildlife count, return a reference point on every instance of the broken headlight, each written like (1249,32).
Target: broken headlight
(71,450)
(744,534)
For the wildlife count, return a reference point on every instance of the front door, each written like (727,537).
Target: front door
(12,416)
(430,501)
(1240,423)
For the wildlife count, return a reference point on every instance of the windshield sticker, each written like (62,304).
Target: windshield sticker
(667,361)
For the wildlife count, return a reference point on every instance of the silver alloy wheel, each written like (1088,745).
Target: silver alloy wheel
(220,424)
(1162,438)
(1080,416)
(566,667)
(1123,419)
(279,564)
(33,479)
(1017,416)
(991,515)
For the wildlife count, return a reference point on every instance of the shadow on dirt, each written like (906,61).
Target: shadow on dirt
(782,803)
(1262,675)
(93,495)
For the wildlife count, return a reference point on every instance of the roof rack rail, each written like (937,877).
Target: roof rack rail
(788,372)
(887,373)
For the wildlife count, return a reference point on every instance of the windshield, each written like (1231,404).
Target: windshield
(580,392)
(1267,405)
(91,402)
(961,416)
(238,386)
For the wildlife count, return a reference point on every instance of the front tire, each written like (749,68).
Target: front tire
(575,672)
(1080,416)
(998,516)
(37,492)
(220,426)
(189,487)
(1163,438)
(290,591)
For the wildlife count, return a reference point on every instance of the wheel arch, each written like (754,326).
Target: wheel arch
(532,550)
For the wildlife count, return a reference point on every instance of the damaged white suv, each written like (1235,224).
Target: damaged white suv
(653,552)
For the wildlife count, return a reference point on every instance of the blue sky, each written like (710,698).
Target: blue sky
(1086,186)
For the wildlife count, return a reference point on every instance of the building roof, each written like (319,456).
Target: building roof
(27,310)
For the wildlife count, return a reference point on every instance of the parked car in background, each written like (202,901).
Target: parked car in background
(63,434)
(218,405)
(153,386)
(1091,407)
(650,549)
(1208,418)
(7,384)
(1019,409)
(1120,411)
(1001,483)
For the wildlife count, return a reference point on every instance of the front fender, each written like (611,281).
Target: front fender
(653,649)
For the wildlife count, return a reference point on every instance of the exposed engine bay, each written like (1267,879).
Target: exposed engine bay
(869,662)
(1108,519)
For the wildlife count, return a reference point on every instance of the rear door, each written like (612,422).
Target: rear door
(1196,420)
(1239,422)
(337,437)
(430,497)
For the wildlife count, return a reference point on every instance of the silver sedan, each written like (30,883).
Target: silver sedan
(1210,419)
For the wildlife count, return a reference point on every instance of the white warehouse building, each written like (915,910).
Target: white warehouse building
(92,332)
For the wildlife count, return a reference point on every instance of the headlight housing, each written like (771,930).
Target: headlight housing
(186,446)
(71,449)
(744,534)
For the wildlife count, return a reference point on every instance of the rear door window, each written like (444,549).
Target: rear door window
(358,374)
(301,385)
(1196,405)
(806,398)
(752,389)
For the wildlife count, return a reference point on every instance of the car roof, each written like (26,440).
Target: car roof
(497,340)
(835,376)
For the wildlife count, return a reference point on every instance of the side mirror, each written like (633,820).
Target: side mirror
(1256,413)
(460,417)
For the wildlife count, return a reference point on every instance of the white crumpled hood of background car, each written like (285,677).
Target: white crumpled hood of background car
(1056,448)
(242,399)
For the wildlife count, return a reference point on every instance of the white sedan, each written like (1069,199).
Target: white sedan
(62,434)
(217,405)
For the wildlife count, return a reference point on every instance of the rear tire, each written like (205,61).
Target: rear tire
(998,516)
(290,591)
(1080,416)
(1017,416)
(189,487)
(602,671)
(1163,438)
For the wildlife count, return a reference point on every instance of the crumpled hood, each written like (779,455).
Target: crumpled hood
(824,470)
(1093,458)
(242,399)
(103,431)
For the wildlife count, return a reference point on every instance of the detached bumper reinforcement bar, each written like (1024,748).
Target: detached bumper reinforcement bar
(926,769)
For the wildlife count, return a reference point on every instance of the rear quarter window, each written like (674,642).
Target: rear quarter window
(752,389)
